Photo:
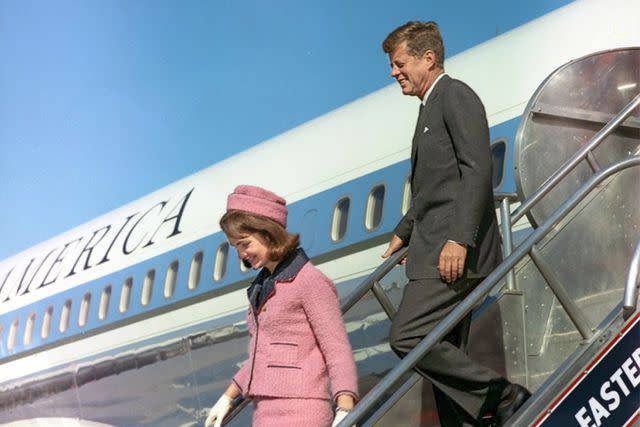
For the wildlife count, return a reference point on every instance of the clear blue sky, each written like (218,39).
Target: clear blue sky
(102,102)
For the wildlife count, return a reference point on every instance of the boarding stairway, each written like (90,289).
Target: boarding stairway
(565,297)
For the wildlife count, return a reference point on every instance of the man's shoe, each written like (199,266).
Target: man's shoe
(510,404)
(488,420)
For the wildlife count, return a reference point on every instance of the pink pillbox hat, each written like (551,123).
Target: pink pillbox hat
(256,200)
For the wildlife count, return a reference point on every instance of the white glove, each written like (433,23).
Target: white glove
(219,411)
(340,415)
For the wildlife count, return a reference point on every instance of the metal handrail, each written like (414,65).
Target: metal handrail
(631,287)
(376,275)
(465,306)
(580,155)
(390,402)
(576,315)
(371,283)
(505,200)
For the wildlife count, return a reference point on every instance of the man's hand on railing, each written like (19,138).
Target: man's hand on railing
(394,245)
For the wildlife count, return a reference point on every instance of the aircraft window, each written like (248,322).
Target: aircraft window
(171,279)
(220,267)
(243,267)
(375,207)
(13,331)
(406,196)
(28,330)
(125,294)
(64,316)
(498,158)
(195,271)
(147,287)
(46,323)
(105,298)
(340,219)
(84,309)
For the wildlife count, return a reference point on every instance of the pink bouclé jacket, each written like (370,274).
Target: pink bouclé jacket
(298,346)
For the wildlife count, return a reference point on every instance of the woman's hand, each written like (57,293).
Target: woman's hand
(344,405)
(219,411)
(341,414)
(222,406)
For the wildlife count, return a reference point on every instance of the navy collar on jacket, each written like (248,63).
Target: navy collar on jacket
(263,286)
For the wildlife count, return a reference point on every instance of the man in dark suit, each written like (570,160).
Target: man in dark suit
(451,229)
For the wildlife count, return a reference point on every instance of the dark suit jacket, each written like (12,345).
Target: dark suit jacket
(451,187)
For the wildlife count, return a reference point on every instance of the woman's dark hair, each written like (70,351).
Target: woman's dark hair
(238,224)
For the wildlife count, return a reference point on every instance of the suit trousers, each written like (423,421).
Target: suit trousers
(464,390)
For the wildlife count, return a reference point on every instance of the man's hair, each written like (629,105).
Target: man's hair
(238,224)
(420,37)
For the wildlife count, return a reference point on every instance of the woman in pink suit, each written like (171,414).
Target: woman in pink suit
(298,348)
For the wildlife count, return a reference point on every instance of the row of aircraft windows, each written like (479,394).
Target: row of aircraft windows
(124,302)
(373,219)
(339,222)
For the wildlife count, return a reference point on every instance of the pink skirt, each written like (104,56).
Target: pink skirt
(285,412)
